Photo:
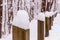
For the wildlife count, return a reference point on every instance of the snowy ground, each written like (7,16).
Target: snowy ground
(55,32)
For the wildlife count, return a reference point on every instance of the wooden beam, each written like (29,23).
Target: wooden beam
(20,34)
(40,30)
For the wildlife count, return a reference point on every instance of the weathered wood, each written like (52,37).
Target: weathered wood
(47,26)
(40,30)
(51,22)
(27,34)
(20,34)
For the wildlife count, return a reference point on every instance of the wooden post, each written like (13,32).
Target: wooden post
(40,30)
(51,22)
(47,26)
(20,34)
(27,34)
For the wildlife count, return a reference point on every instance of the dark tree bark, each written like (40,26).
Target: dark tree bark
(0,17)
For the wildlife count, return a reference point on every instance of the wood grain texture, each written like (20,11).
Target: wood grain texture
(27,34)
(40,30)
(47,26)
(20,34)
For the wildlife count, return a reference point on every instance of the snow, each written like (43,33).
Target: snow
(48,14)
(7,37)
(58,1)
(55,12)
(33,30)
(21,19)
(55,32)
(40,16)
(58,6)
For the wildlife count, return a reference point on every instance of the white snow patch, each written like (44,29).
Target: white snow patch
(33,30)
(40,16)
(48,14)
(21,19)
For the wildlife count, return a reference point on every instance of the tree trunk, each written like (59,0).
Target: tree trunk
(0,17)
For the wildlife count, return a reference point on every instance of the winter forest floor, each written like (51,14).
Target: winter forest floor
(55,32)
